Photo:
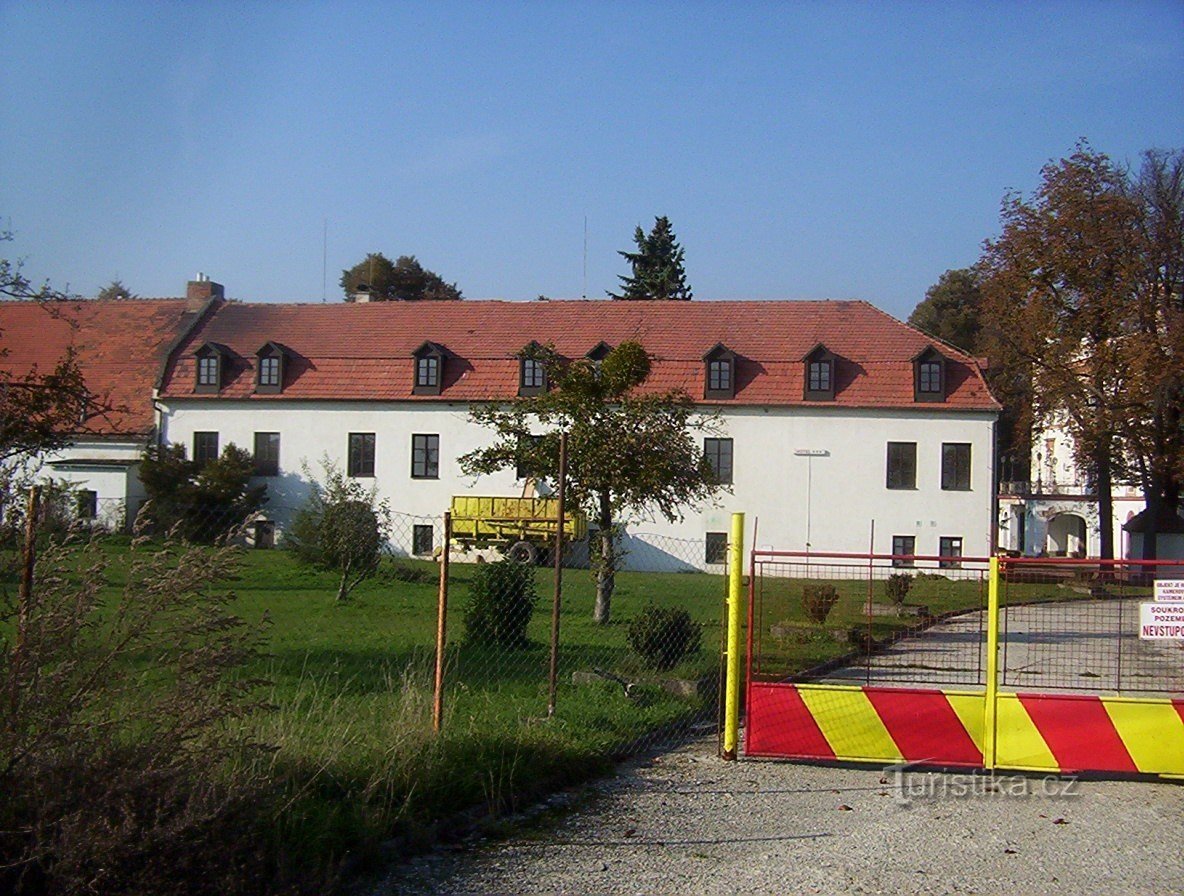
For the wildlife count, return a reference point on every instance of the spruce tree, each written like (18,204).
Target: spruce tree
(658,271)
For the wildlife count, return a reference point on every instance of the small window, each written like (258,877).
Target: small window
(88,504)
(427,372)
(904,548)
(930,377)
(902,465)
(361,455)
(425,457)
(955,466)
(267,454)
(429,369)
(269,371)
(820,376)
(720,373)
(269,368)
(929,374)
(534,377)
(719,457)
(717,548)
(523,468)
(207,371)
(205,447)
(423,540)
(950,549)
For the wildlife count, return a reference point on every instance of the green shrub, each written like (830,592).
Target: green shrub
(502,598)
(818,601)
(897,586)
(662,636)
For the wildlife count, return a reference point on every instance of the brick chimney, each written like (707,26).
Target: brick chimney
(200,290)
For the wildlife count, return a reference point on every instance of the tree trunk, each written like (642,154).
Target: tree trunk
(1105,482)
(607,568)
(343,587)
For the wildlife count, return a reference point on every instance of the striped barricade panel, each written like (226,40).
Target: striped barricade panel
(1074,733)
(865,724)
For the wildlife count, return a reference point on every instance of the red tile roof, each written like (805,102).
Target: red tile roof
(120,345)
(364,351)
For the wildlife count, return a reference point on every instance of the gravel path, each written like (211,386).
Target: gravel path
(686,823)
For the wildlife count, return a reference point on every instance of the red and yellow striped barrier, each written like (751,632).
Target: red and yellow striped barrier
(1033,732)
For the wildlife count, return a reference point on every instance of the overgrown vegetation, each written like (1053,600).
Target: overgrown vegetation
(897,586)
(818,600)
(502,599)
(662,636)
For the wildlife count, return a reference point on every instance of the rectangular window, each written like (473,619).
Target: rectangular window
(820,376)
(425,457)
(903,546)
(423,540)
(267,454)
(361,455)
(719,376)
(929,377)
(719,457)
(523,468)
(205,447)
(950,548)
(955,466)
(902,465)
(88,504)
(717,547)
(427,372)
(534,375)
(269,371)
(207,370)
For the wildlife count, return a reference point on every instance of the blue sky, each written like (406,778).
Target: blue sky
(801,150)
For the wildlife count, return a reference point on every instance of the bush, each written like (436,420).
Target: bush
(819,600)
(662,636)
(897,586)
(502,598)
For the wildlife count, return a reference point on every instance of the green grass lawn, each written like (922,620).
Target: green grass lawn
(350,686)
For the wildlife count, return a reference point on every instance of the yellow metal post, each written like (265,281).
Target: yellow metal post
(992,692)
(735,598)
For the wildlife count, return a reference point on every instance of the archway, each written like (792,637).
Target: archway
(1066,536)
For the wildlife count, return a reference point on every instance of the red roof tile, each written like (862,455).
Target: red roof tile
(120,346)
(363,351)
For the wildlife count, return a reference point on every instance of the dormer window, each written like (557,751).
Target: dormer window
(929,376)
(597,355)
(269,368)
(532,373)
(820,374)
(429,369)
(211,361)
(720,372)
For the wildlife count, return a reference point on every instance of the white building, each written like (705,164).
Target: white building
(837,418)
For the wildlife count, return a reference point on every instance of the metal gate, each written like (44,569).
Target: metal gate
(967,662)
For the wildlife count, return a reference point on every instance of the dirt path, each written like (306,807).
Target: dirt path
(686,824)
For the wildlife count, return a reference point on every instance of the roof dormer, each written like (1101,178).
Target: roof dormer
(929,375)
(430,359)
(820,367)
(211,360)
(271,363)
(719,372)
(532,370)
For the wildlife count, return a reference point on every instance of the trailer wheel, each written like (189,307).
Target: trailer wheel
(523,552)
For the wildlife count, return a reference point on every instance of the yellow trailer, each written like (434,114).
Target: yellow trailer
(522,527)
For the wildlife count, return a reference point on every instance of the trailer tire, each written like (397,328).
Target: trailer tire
(523,552)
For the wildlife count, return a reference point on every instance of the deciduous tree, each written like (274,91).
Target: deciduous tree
(657,266)
(403,280)
(628,451)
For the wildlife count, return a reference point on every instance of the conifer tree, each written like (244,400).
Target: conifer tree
(657,264)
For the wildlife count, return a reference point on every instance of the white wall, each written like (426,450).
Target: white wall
(840,494)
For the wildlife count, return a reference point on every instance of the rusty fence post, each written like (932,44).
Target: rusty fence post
(441,627)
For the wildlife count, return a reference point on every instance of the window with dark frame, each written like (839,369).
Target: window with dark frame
(269,371)
(950,547)
(267,454)
(955,466)
(88,504)
(207,370)
(427,372)
(425,456)
(534,377)
(205,447)
(719,375)
(903,546)
(929,377)
(902,465)
(719,457)
(820,376)
(360,464)
(716,548)
(423,539)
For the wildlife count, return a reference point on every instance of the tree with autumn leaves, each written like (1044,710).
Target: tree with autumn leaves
(1081,297)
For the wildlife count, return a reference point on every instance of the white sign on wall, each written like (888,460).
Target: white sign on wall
(1169,589)
(1162,621)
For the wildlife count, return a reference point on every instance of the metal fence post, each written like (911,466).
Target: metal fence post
(735,600)
(441,627)
(992,682)
(561,519)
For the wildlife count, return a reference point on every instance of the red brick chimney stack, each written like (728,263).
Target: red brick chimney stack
(200,290)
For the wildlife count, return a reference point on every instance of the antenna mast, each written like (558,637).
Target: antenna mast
(584,291)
